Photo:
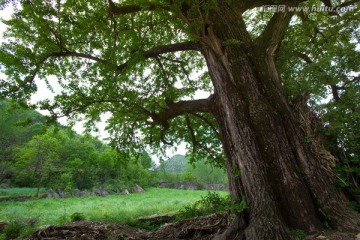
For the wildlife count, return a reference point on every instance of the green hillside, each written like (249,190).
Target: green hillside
(36,154)
(177,168)
(175,165)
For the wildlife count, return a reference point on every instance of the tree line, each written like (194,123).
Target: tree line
(34,154)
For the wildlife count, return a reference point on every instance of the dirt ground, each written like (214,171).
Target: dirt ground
(201,228)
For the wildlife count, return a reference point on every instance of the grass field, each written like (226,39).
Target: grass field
(113,208)
(19,192)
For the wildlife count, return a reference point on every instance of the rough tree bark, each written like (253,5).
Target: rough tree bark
(268,160)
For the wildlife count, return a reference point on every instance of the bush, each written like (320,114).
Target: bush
(75,217)
(208,204)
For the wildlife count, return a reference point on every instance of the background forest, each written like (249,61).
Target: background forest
(34,154)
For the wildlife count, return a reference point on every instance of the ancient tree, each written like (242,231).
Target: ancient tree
(142,61)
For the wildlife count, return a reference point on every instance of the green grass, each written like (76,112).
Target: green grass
(113,208)
(19,192)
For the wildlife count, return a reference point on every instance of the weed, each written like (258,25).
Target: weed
(236,207)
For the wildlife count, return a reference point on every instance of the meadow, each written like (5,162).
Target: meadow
(19,192)
(113,208)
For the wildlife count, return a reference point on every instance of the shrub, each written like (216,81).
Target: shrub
(208,204)
(75,217)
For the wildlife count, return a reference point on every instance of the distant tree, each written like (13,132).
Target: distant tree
(204,173)
(146,161)
(17,126)
(35,162)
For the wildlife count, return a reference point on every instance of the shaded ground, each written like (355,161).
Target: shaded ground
(197,228)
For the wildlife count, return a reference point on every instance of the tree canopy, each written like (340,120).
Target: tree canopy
(138,61)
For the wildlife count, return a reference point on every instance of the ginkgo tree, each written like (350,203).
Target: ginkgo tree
(143,62)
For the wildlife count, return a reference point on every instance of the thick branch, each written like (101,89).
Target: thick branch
(303,56)
(162,49)
(271,37)
(175,109)
(179,108)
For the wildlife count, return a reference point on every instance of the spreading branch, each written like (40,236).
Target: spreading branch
(162,49)
(175,109)
(151,53)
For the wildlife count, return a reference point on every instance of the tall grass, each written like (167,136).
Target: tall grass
(19,192)
(113,208)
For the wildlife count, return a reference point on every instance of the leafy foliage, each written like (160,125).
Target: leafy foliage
(210,203)
(77,217)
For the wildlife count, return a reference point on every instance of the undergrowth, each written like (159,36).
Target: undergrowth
(211,203)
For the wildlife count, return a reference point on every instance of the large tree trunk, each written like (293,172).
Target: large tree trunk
(268,160)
